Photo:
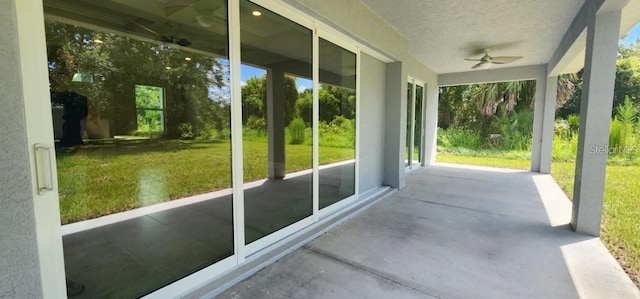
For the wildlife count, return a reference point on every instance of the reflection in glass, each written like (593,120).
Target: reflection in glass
(417,132)
(337,123)
(407,151)
(277,110)
(141,115)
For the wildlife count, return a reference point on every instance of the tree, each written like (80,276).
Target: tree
(118,64)
(627,83)
(254,98)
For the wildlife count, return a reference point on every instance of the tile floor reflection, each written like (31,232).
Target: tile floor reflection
(131,258)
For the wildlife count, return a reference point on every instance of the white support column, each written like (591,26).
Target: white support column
(595,118)
(548,122)
(543,122)
(395,129)
(275,123)
(538,121)
(430,130)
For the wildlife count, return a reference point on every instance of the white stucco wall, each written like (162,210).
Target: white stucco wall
(19,274)
(371,141)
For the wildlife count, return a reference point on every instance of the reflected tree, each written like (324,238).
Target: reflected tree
(118,63)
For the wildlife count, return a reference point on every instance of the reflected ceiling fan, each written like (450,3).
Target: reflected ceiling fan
(206,12)
(487,60)
(163,37)
(171,7)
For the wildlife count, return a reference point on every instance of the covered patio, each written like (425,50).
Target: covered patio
(506,234)
(408,229)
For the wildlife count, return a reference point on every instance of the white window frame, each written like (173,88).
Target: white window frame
(420,162)
(161,109)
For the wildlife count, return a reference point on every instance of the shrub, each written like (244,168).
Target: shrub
(257,124)
(297,130)
(340,132)
(574,122)
(458,137)
(565,147)
(561,127)
(621,132)
(517,130)
(186,131)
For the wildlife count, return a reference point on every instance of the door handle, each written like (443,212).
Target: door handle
(44,169)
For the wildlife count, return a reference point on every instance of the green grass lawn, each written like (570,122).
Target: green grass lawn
(97,180)
(621,214)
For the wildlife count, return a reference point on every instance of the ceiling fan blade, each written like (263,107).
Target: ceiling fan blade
(145,28)
(477,65)
(505,59)
(174,6)
(472,59)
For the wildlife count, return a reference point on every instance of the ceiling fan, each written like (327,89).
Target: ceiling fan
(487,60)
(206,12)
(171,7)
(165,38)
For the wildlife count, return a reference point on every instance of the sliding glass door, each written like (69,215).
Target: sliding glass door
(337,123)
(276,121)
(414,123)
(141,118)
(156,178)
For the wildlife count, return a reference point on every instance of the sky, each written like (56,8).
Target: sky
(246,72)
(632,36)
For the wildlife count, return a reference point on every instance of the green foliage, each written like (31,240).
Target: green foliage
(97,181)
(516,129)
(254,98)
(565,146)
(192,91)
(616,134)
(627,83)
(291,97)
(304,105)
(256,127)
(561,127)
(186,131)
(258,124)
(149,109)
(297,129)
(622,127)
(339,133)
(459,138)
(574,122)
(474,106)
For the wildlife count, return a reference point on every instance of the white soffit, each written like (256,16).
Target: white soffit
(630,17)
(442,33)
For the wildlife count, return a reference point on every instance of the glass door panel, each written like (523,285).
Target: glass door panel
(337,123)
(413,142)
(141,115)
(277,112)
(408,141)
(417,131)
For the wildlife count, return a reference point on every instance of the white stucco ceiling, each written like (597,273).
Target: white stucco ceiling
(442,33)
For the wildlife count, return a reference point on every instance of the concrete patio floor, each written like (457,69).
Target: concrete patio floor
(453,232)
